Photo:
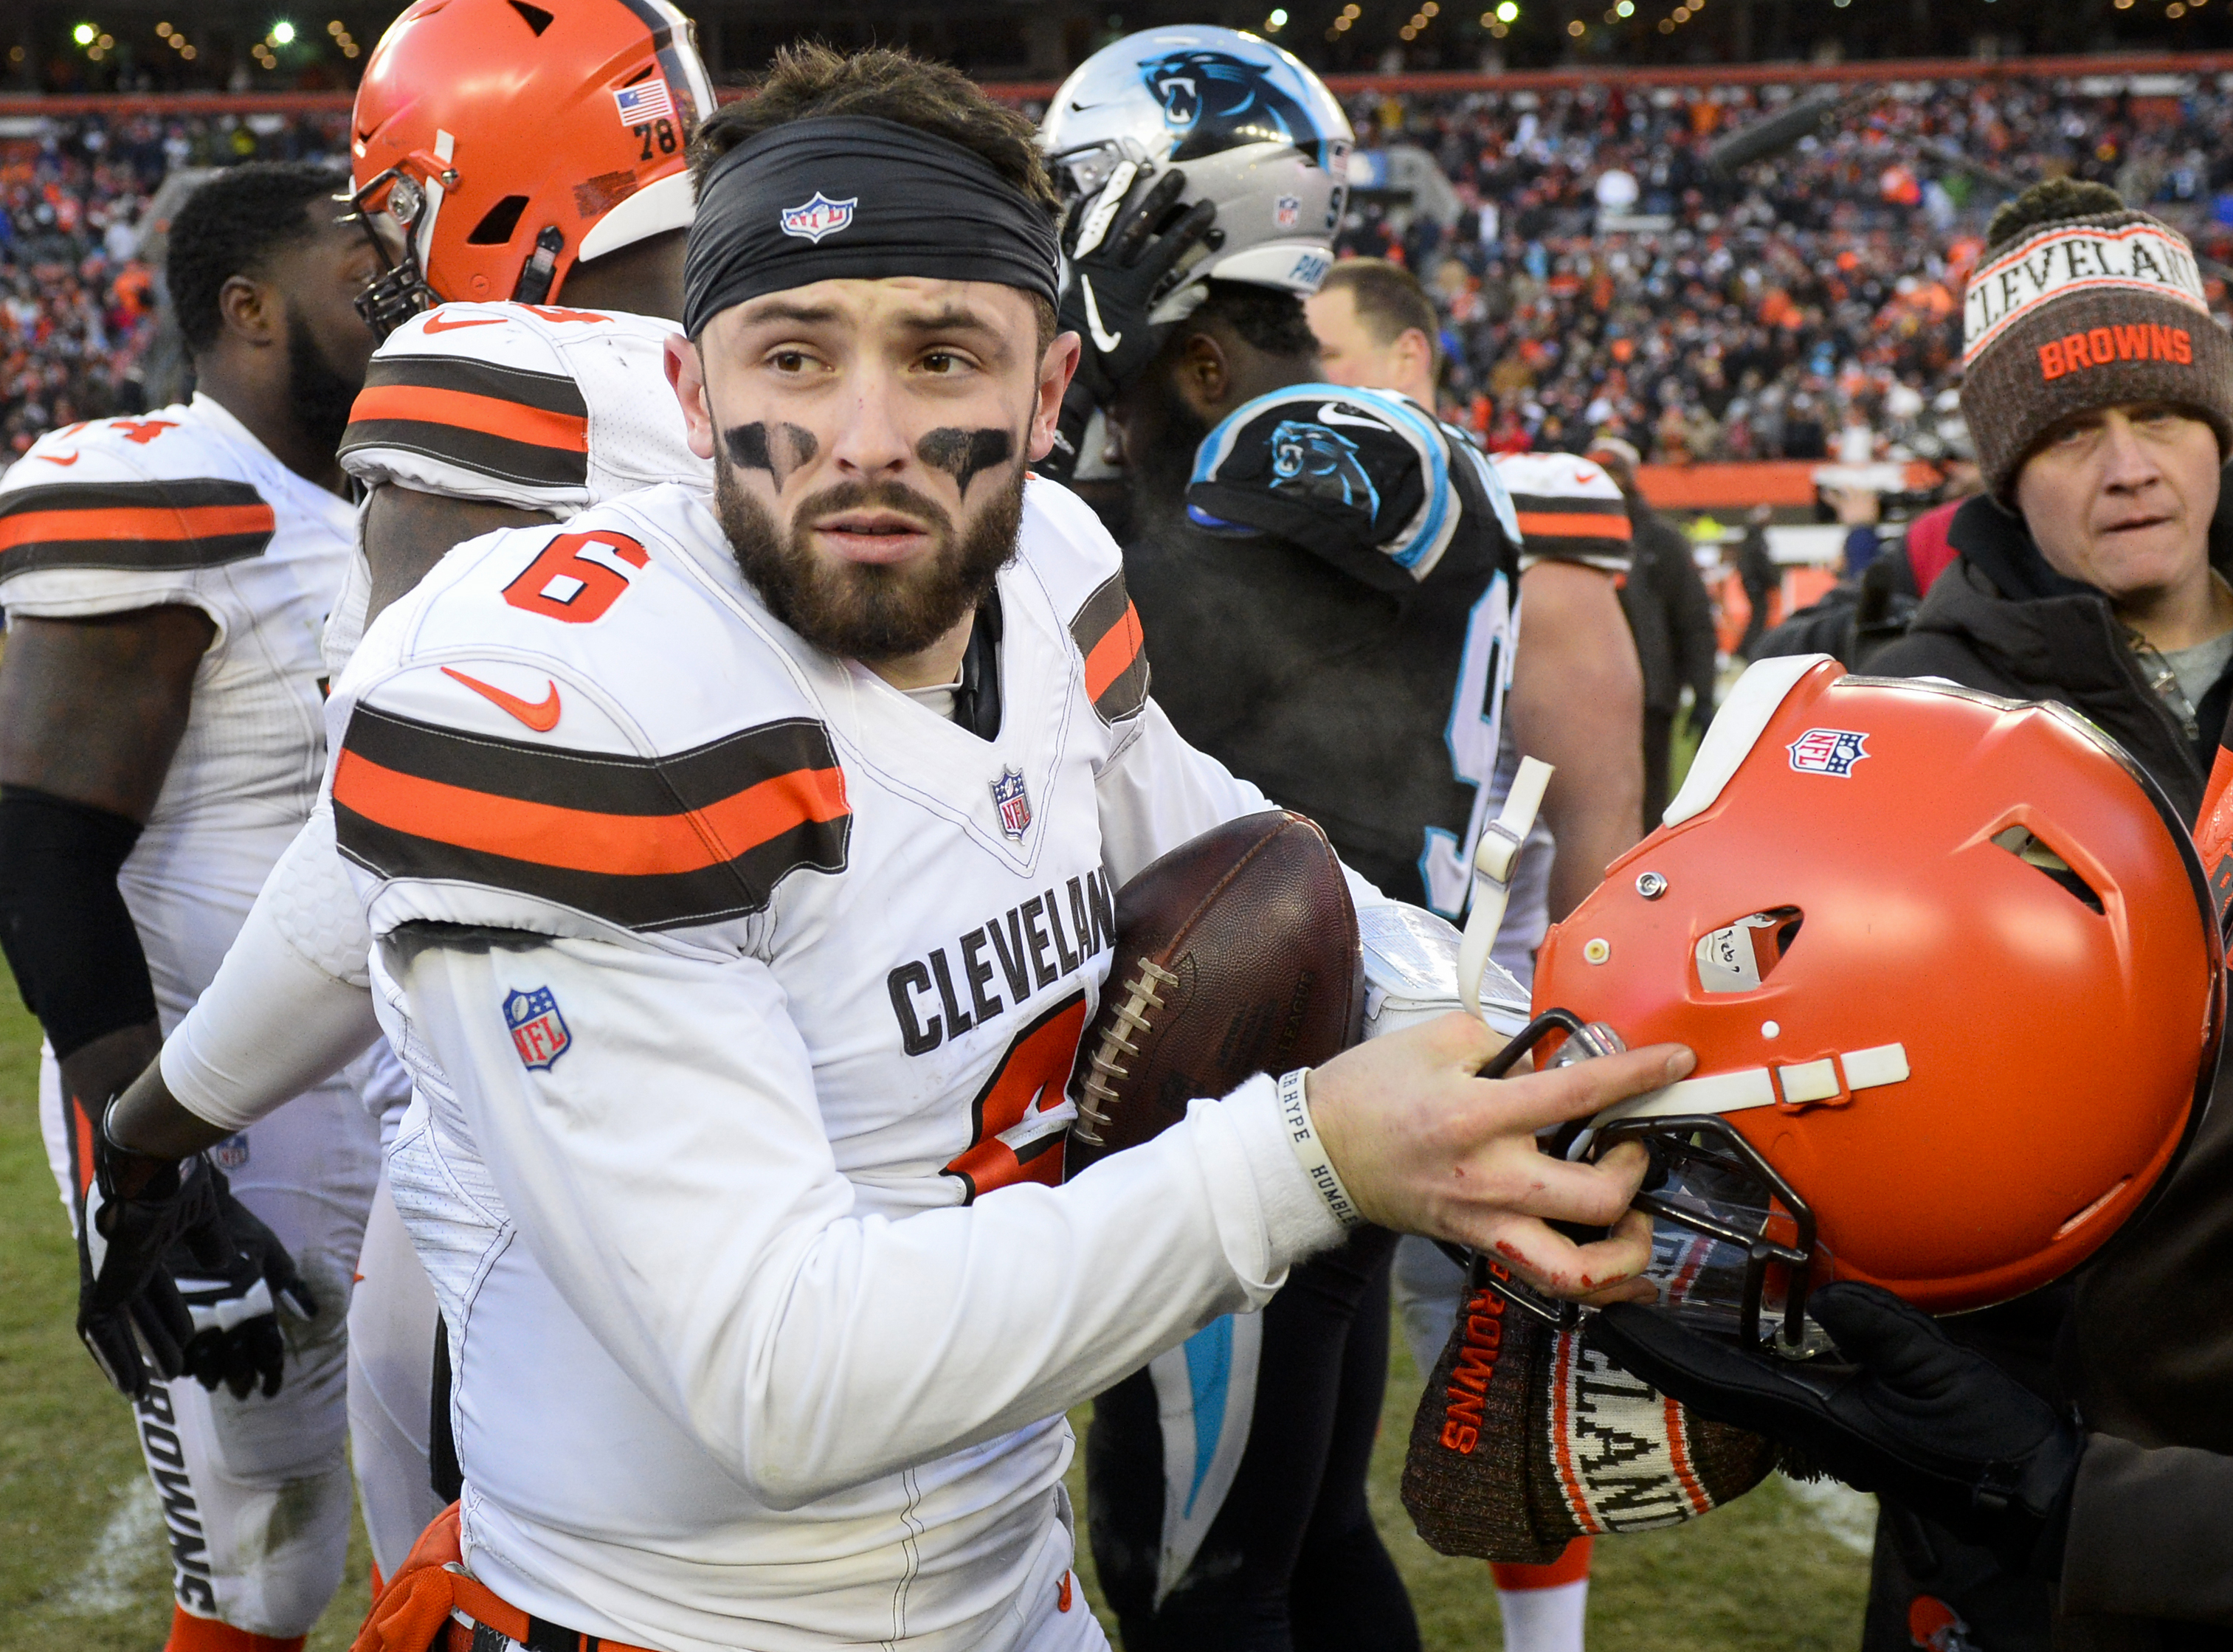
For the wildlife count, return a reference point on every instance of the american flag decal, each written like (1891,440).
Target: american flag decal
(645,101)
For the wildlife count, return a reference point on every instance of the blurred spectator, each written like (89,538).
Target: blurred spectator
(1603,280)
(1758,574)
(1673,620)
(78,299)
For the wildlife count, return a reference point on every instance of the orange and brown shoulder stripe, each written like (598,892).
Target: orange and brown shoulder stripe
(140,526)
(500,421)
(1107,632)
(695,837)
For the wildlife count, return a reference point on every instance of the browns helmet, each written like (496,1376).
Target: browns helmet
(1951,971)
(495,144)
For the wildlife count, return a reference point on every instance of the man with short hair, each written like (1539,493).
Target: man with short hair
(161,740)
(1376,326)
(675,824)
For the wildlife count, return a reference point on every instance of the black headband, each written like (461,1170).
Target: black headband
(841,195)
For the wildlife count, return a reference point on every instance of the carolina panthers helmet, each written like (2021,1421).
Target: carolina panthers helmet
(1257,132)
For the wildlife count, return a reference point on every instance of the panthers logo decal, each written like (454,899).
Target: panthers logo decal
(1322,464)
(1219,101)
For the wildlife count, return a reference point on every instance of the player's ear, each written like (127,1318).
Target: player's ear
(252,311)
(685,372)
(1056,368)
(1205,374)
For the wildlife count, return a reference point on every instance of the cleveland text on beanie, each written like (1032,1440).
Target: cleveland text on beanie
(2079,302)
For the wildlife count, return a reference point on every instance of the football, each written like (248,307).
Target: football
(1237,953)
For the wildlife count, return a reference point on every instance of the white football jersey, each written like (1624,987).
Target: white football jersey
(729,974)
(534,406)
(185,507)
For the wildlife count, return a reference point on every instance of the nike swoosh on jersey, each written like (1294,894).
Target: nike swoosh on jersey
(436,324)
(51,459)
(1104,340)
(541,715)
(1329,414)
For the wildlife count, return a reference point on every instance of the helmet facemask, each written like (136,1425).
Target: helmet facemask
(394,210)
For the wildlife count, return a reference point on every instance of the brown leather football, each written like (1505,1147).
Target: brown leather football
(1237,953)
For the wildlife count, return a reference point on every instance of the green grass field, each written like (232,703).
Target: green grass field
(81,1560)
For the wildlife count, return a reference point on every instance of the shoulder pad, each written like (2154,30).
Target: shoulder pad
(533,737)
(1064,544)
(1569,510)
(1366,480)
(466,396)
(152,494)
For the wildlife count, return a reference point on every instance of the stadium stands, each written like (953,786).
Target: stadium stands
(1592,271)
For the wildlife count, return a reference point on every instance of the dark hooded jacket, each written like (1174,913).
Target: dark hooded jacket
(2145,1345)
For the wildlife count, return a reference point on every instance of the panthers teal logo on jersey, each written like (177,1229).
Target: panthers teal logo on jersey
(1321,464)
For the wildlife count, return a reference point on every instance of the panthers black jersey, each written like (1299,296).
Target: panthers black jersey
(1333,617)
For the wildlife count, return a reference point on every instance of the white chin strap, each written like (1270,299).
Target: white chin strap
(1496,857)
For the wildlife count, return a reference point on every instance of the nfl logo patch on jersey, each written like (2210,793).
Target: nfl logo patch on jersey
(230,1154)
(818,217)
(1827,750)
(538,1032)
(1013,802)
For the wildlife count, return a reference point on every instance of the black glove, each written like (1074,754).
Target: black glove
(1124,241)
(133,1210)
(1934,1428)
(234,1275)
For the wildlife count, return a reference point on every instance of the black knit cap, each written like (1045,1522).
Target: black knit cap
(2080,303)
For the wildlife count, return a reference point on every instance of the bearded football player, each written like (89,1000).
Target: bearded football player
(764,1310)
(474,416)
(160,743)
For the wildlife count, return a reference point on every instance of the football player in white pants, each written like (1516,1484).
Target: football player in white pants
(477,416)
(161,739)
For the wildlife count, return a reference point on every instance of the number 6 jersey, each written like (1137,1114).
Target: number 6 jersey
(730,976)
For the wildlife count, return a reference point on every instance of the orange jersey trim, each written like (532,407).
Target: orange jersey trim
(581,839)
(135,522)
(1547,524)
(1113,656)
(537,426)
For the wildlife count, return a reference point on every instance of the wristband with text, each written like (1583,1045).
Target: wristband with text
(1310,1151)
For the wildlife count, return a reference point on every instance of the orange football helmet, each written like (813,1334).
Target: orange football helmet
(1955,983)
(496,143)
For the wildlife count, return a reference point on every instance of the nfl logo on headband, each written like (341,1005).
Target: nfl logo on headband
(817,217)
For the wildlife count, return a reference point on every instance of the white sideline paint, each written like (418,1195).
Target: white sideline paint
(1847,1516)
(114,1577)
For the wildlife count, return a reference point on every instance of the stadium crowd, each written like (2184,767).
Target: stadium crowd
(78,310)
(1806,309)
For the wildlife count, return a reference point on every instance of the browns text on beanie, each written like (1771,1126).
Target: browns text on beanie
(2079,302)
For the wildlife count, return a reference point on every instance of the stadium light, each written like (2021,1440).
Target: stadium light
(1275,22)
(85,33)
(1508,12)
(283,33)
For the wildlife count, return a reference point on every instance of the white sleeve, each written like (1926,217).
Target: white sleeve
(291,1005)
(670,1174)
(1156,791)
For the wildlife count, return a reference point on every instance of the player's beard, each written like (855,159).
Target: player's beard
(1159,463)
(864,610)
(320,397)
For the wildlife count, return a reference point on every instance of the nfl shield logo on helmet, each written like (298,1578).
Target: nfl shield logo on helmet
(1013,802)
(819,217)
(538,1032)
(1827,750)
(1287,212)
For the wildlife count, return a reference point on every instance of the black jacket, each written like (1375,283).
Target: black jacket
(2146,1352)
(1671,615)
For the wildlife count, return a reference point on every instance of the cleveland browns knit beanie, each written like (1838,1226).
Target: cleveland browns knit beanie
(2079,302)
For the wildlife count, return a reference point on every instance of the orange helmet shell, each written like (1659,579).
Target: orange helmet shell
(1948,962)
(560,124)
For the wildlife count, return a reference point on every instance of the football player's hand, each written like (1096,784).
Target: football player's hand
(235,1277)
(1123,244)
(1427,1146)
(129,1314)
(1903,1411)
